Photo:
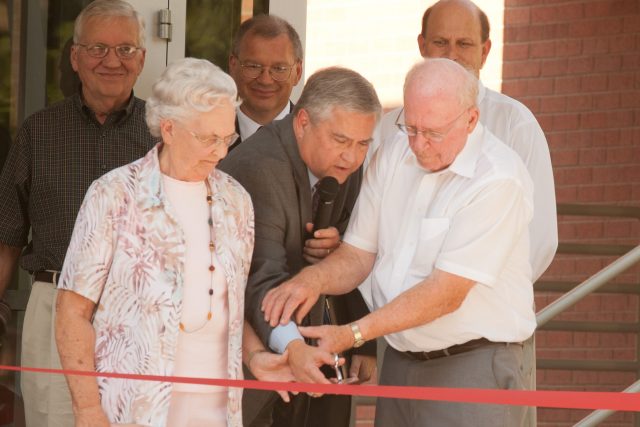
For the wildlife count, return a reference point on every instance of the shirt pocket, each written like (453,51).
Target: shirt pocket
(430,239)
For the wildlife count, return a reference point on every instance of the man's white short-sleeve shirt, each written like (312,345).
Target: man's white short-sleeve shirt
(470,219)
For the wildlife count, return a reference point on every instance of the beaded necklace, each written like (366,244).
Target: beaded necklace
(212,268)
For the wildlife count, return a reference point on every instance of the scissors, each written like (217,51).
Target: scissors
(336,366)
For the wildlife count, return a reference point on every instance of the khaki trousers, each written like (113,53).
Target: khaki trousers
(47,401)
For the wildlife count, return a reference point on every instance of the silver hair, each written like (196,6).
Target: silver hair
(108,8)
(449,74)
(337,87)
(186,87)
(269,27)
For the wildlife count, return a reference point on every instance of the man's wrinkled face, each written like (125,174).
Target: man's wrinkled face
(263,96)
(110,77)
(454,32)
(335,146)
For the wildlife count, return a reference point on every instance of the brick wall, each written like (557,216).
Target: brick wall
(576,64)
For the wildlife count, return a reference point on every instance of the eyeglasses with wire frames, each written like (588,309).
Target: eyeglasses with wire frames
(279,73)
(99,50)
(432,135)
(214,140)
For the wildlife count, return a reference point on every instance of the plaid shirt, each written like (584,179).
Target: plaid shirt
(59,151)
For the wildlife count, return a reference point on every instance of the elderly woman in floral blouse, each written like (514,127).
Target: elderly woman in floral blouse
(154,278)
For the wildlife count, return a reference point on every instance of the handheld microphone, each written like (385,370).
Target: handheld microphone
(326,191)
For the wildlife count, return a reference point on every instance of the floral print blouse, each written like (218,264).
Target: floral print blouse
(127,255)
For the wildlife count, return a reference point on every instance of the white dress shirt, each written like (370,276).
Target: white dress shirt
(248,126)
(512,123)
(470,219)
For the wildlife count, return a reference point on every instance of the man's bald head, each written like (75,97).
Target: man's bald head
(439,111)
(457,30)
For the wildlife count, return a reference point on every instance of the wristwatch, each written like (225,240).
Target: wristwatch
(357,335)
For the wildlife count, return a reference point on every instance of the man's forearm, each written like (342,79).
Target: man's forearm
(341,272)
(75,338)
(8,261)
(439,294)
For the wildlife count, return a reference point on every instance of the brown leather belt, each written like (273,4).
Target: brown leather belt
(46,276)
(454,349)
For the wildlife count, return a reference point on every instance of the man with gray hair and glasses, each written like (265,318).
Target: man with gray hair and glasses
(266,64)
(58,152)
(441,224)
(327,135)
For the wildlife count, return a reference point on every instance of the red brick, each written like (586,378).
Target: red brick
(580,139)
(514,88)
(616,340)
(617,193)
(620,118)
(622,81)
(515,52)
(610,26)
(607,63)
(545,121)
(554,67)
(518,16)
(631,24)
(567,85)
(593,120)
(630,61)
(617,229)
(559,377)
(582,29)
(540,86)
(629,136)
(594,156)
(595,46)
(553,104)
(566,121)
(580,65)
(566,48)
(569,194)
(621,155)
(622,43)
(613,377)
(542,49)
(590,230)
(630,99)
(593,83)
(608,175)
(579,103)
(546,31)
(520,69)
(606,138)
(516,3)
(606,101)
(590,193)
(556,140)
(532,103)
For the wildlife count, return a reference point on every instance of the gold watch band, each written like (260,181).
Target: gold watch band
(358,340)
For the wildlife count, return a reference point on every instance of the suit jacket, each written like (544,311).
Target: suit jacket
(269,167)
(239,140)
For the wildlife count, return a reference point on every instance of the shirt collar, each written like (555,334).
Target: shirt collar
(248,126)
(87,112)
(313,180)
(465,162)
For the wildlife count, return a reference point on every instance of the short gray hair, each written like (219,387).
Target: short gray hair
(449,74)
(337,87)
(269,27)
(186,87)
(108,8)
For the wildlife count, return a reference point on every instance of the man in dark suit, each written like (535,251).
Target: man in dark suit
(266,64)
(328,134)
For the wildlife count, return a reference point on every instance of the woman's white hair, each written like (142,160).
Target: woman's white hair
(187,87)
(108,8)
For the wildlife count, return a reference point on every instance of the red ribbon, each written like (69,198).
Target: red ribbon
(549,399)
